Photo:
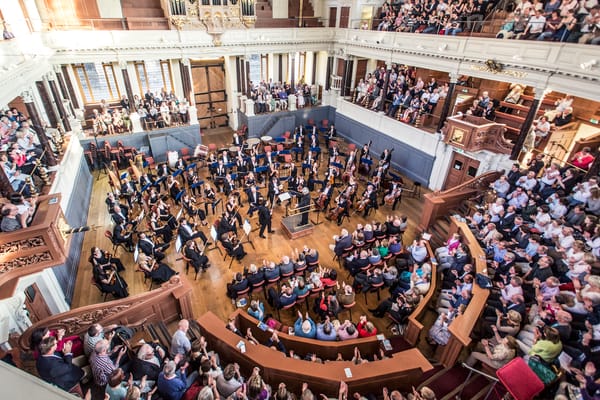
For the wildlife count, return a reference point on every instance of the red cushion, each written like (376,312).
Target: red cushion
(521,382)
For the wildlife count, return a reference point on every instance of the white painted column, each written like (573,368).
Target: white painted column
(249,107)
(136,124)
(292,102)
(280,8)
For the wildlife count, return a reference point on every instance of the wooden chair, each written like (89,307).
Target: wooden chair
(102,292)
(188,263)
(374,288)
(348,307)
(109,236)
(303,298)
(288,307)
(258,286)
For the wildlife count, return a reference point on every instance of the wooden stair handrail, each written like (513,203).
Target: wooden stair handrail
(439,202)
(168,303)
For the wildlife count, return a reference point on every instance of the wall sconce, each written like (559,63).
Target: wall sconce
(588,64)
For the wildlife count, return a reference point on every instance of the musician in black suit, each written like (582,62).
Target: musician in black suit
(196,256)
(119,215)
(162,171)
(186,232)
(129,191)
(253,199)
(274,190)
(237,140)
(220,173)
(371,195)
(57,368)
(331,133)
(304,206)
(264,219)
(121,235)
(110,282)
(211,198)
(226,225)
(147,246)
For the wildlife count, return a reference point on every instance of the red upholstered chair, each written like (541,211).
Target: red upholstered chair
(520,381)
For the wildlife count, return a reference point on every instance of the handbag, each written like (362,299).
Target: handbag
(483,281)
(546,372)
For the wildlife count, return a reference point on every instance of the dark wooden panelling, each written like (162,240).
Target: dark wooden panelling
(47,103)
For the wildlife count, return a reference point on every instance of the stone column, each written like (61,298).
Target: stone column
(526,126)
(36,121)
(447,101)
(249,107)
(292,102)
(136,123)
(127,81)
(64,117)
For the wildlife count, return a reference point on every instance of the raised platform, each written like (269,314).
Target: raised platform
(292,231)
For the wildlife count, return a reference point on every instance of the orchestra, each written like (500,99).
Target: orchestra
(172,198)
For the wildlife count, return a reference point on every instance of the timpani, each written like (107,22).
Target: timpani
(266,139)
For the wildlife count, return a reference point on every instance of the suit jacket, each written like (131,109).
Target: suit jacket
(341,244)
(59,370)
(147,247)
(184,233)
(264,215)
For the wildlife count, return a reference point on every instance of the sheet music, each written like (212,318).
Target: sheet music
(247,227)
(179,214)
(213,233)
(178,244)
(136,253)
(285,196)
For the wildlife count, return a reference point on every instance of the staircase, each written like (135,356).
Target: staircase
(264,15)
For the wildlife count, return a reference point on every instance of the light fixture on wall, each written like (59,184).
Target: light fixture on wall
(588,64)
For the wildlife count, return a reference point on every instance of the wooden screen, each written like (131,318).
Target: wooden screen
(344,17)
(209,93)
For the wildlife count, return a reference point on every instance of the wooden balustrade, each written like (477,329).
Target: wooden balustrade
(168,303)
(302,346)
(438,204)
(41,245)
(414,326)
(472,133)
(462,326)
(400,371)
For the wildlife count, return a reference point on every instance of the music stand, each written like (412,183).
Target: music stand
(136,253)
(247,227)
(178,244)
(213,235)
(318,211)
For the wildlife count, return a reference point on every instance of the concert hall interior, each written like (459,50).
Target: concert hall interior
(309,198)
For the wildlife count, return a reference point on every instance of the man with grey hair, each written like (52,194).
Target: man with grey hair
(342,242)
(286,266)
(172,382)
(180,344)
(101,364)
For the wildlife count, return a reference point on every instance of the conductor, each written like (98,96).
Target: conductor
(304,206)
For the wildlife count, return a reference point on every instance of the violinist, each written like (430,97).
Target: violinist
(122,236)
(226,225)
(128,190)
(229,187)
(163,230)
(192,178)
(163,170)
(249,180)
(308,162)
(189,205)
(313,176)
(164,214)
(153,197)
(299,145)
(174,188)
(331,173)
(237,140)
(104,260)
(331,134)
(241,166)
(393,194)
(211,198)
(159,272)
(197,257)
(108,279)
(186,232)
(225,157)
(180,164)
(149,248)
(232,210)
(233,246)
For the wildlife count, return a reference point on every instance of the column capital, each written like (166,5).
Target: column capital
(122,64)
(453,77)
(50,76)
(57,69)
(185,61)
(27,96)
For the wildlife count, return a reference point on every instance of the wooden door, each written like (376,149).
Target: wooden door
(344,17)
(361,71)
(462,168)
(36,304)
(209,93)
(332,16)
(559,143)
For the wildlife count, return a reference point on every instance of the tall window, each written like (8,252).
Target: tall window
(154,76)
(97,82)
